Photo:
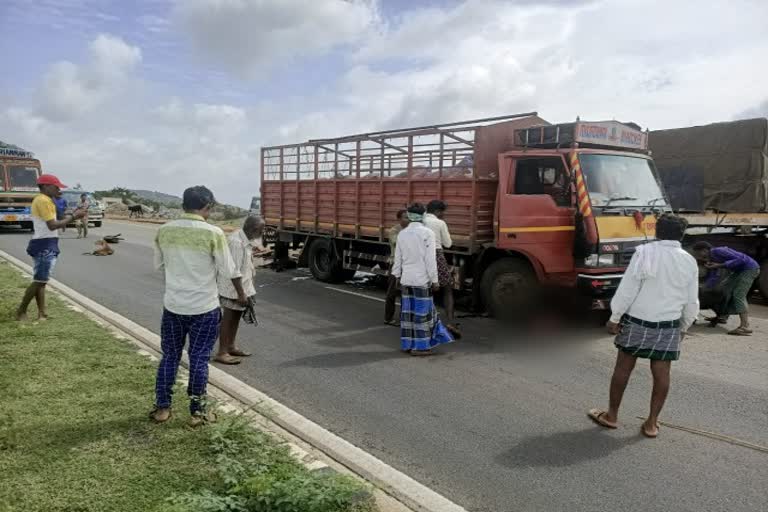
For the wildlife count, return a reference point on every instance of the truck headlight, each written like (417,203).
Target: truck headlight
(600,260)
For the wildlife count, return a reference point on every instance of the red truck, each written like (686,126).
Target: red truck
(530,204)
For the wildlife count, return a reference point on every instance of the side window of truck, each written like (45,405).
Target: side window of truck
(542,176)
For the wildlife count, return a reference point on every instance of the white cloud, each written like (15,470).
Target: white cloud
(659,63)
(248,37)
(69,89)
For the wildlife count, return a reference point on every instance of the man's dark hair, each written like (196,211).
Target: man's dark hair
(83,195)
(417,208)
(702,246)
(197,198)
(400,213)
(671,227)
(436,205)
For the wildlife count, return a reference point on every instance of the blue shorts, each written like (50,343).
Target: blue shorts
(45,261)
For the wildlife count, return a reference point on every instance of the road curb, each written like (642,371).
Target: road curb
(399,485)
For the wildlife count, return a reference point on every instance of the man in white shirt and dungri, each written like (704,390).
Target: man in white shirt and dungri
(415,268)
(241,244)
(193,254)
(655,304)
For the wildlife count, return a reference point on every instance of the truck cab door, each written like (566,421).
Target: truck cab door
(536,209)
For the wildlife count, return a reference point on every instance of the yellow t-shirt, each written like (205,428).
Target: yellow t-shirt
(43,210)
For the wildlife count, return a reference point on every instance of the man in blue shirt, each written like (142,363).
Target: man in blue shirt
(736,287)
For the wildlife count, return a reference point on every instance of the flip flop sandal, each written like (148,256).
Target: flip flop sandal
(648,434)
(596,415)
(716,320)
(741,332)
(422,353)
(455,332)
(240,353)
(221,360)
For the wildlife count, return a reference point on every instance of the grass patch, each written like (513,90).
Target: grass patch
(75,437)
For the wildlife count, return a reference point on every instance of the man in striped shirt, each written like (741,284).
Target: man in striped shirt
(192,253)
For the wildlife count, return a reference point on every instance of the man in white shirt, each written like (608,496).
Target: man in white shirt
(415,266)
(193,254)
(434,221)
(655,304)
(241,244)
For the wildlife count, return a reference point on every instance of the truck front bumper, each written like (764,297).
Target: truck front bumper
(600,287)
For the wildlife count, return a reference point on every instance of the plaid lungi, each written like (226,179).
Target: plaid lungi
(444,276)
(736,288)
(420,325)
(648,342)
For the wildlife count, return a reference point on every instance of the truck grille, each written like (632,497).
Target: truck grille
(625,256)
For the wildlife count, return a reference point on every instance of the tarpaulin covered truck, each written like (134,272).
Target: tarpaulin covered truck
(530,204)
(717,177)
(19,171)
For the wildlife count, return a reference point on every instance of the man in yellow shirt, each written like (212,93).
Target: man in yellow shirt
(44,246)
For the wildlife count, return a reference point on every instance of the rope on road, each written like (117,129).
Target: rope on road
(714,435)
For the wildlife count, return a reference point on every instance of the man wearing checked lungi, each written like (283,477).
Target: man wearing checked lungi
(655,304)
(415,266)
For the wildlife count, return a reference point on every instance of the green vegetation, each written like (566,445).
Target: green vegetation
(75,437)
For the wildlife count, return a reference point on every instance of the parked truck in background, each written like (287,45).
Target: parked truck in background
(716,176)
(530,205)
(19,170)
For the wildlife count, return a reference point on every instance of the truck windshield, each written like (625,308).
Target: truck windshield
(620,180)
(23,178)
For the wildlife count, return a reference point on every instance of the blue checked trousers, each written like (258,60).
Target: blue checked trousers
(202,331)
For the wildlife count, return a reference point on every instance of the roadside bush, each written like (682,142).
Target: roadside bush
(258,474)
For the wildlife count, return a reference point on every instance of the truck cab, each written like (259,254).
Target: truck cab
(18,185)
(574,201)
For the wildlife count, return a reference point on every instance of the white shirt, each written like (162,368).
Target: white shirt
(661,284)
(192,253)
(415,256)
(440,229)
(242,254)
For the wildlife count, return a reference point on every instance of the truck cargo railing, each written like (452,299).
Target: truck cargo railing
(431,152)
(353,186)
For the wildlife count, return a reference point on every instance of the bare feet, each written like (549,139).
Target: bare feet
(239,353)
(41,317)
(21,316)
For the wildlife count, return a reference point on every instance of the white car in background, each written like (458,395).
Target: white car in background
(95,211)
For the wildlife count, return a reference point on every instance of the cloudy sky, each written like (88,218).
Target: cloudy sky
(163,94)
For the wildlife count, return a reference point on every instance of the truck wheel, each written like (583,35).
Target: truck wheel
(97,224)
(762,280)
(507,285)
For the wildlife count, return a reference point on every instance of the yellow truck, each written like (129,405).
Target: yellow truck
(19,170)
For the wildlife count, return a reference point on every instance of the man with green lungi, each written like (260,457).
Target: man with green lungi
(735,287)
(655,304)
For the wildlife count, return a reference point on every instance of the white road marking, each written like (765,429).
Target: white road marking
(355,294)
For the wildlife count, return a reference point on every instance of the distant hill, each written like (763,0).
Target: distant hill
(158,197)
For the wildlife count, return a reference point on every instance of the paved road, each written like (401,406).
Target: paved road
(496,423)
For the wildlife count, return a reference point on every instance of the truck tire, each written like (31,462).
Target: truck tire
(507,286)
(324,265)
(97,224)
(762,280)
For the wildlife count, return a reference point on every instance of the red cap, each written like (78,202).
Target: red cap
(50,179)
